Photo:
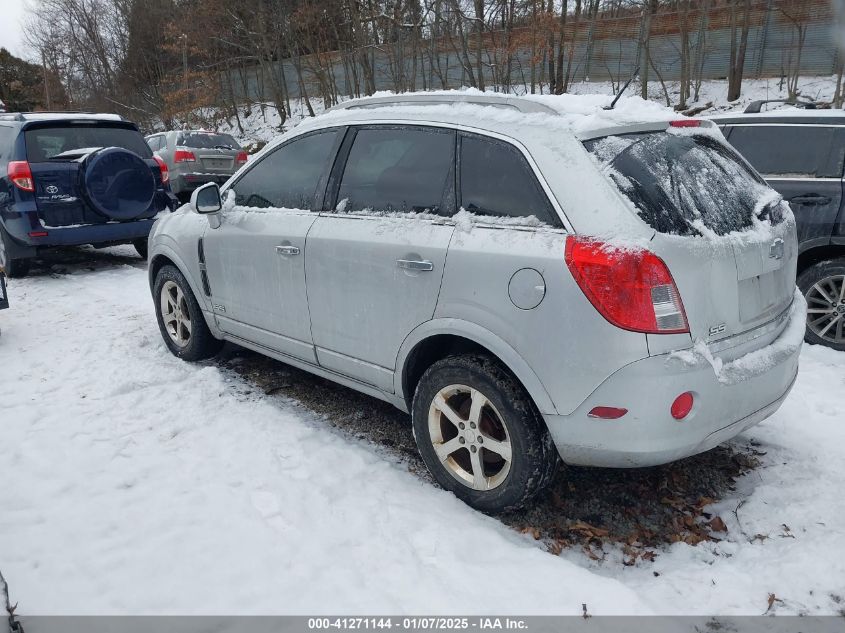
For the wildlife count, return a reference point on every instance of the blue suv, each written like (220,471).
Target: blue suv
(73,178)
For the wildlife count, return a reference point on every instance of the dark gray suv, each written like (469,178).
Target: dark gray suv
(800,153)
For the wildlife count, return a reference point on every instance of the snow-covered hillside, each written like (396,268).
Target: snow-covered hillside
(133,482)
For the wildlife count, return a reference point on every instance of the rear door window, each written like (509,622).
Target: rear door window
(207,140)
(685,184)
(288,177)
(496,180)
(45,143)
(788,150)
(398,169)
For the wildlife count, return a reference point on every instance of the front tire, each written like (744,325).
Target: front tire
(823,286)
(180,317)
(480,434)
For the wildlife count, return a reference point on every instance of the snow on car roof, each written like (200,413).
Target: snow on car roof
(61,116)
(582,115)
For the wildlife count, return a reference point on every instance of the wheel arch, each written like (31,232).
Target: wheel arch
(437,339)
(817,254)
(164,255)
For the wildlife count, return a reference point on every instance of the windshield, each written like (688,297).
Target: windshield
(207,140)
(685,184)
(45,143)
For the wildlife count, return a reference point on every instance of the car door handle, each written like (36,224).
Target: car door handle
(287,250)
(810,199)
(413,264)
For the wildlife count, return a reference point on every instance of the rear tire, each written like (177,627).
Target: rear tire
(141,247)
(503,454)
(823,285)
(13,267)
(180,317)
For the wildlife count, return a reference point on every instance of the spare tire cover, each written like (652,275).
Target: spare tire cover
(118,183)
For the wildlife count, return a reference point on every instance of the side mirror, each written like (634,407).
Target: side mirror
(206,199)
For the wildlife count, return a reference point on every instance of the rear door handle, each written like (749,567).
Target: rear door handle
(413,264)
(810,199)
(287,250)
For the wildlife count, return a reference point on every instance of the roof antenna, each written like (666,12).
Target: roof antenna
(625,87)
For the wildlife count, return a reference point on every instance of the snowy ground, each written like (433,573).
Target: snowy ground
(261,124)
(135,483)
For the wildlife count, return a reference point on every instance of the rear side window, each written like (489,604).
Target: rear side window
(288,177)
(154,142)
(397,170)
(207,140)
(684,184)
(788,150)
(497,180)
(48,143)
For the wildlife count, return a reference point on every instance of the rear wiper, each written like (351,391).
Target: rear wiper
(75,153)
(223,147)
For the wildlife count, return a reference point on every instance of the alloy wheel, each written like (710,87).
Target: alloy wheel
(826,308)
(175,314)
(469,437)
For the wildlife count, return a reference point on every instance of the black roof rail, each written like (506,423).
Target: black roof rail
(755,106)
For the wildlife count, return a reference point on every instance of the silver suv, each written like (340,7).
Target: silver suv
(197,157)
(531,281)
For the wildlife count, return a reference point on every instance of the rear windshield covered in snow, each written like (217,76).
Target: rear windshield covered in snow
(207,140)
(684,184)
(45,142)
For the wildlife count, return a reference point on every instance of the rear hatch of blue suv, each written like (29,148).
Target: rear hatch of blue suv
(73,179)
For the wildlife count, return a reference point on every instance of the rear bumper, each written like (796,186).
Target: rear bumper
(188,182)
(725,404)
(93,234)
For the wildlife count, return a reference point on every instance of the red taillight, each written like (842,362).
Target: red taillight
(686,123)
(631,287)
(682,405)
(242,158)
(607,413)
(162,166)
(38,234)
(20,174)
(184,156)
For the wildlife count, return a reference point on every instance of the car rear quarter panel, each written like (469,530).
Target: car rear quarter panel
(568,345)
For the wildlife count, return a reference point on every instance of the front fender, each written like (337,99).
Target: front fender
(485,338)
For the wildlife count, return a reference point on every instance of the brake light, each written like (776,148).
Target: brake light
(20,174)
(162,166)
(184,156)
(686,123)
(631,288)
(242,158)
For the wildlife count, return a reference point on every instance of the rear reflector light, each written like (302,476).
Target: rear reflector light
(242,158)
(162,166)
(686,123)
(184,156)
(607,413)
(630,287)
(682,405)
(20,174)
(38,234)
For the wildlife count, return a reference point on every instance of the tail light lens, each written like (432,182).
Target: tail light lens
(165,173)
(20,174)
(242,158)
(184,156)
(631,288)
